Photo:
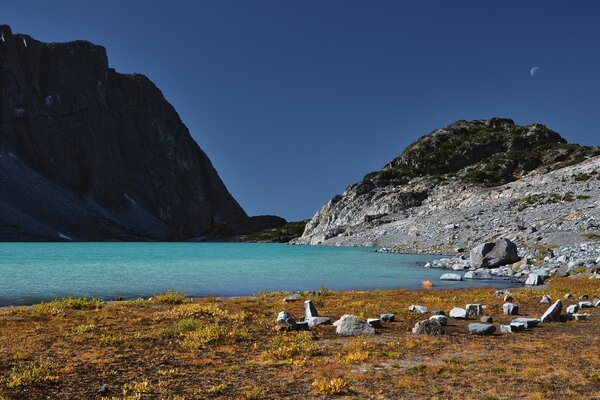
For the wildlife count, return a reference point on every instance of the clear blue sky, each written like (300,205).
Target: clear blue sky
(295,100)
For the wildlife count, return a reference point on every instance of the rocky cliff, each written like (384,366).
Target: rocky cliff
(466,183)
(87,153)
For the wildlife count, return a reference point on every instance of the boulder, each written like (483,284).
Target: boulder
(487,319)
(581,317)
(479,274)
(585,304)
(375,323)
(494,254)
(428,327)
(438,312)
(310,310)
(286,322)
(474,309)
(517,326)
(451,277)
(292,297)
(534,280)
(458,313)
(481,329)
(417,309)
(510,309)
(528,322)
(351,325)
(553,312)
(572,309)
(387,317)
(442,319)
(318,321)
(505,329)
(545,299)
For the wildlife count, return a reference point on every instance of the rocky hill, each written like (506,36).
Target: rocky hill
(466,183)
(87,153)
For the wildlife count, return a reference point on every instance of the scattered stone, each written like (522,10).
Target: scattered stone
(350,325)
(510,309)
(546,299)
(286,322)
(534,280)
(596,302)
(481,329)
(292,297)
(417,309)
(528,322)
(487,319)
(517,326)
(581,317)
(375,323)
(387,317)
(479,274)
(499,293)
(569,296)
(104,389)
(474,309)
(572,309)
(442,319)
(438,312)
(505,329)
(314,321)
(310,309)
(553,312)
(451,277)
(428,327)
(566,317)
(508,298)
(584,297)
(458,313)
(585,304)
(494,254)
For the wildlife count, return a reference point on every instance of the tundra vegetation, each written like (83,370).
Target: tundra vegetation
(173,347)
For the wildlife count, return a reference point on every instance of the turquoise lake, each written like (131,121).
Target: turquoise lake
(33,272)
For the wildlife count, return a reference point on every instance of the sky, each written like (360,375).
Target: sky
(295,100)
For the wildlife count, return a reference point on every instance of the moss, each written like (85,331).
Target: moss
(281,234)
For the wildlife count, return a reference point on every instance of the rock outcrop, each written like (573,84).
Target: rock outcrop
(87,153)
(469,183)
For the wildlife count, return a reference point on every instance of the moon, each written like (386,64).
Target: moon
(534,71)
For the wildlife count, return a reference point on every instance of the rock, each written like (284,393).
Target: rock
(494,254)
(104,389)
(596,303)
(375,323)
(458,313)
(310,310)
(534,280)
(351,325)
(566,317)
(481,329)
(286,322)
(438,312)
(387,317)
(545,299)
(442,319)
(581,317)
(499,293)
(572,309)
(478,275)
(417,309)
(528,322)
(517,326)
(585,304)
(508,298)
(428,327)
(292,297)
(451,277)
(474,309)
(487,319)
(569,296)
(314,321)
(553,312)
(510,309)
(584,297)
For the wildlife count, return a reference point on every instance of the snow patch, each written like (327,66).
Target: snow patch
(2,37)
(130,199)
(24,42)
(63,236)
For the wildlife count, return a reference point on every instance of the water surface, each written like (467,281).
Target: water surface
(33,272)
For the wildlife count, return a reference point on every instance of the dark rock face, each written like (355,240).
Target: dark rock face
(92,154)
(494,254)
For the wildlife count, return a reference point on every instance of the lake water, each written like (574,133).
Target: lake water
(33,272)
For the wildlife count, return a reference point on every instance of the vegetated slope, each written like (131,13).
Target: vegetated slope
(468,182)
(87,153)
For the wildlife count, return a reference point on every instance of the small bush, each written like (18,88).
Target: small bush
(329,387)
(198,311)
(58,306)
(170,297)
(289,347)
(81,329)
(212,334)
(30,374)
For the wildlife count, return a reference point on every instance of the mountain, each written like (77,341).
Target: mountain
(465,183)
(87,153)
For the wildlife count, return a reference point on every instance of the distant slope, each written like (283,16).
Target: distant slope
(467,182)
(91,154)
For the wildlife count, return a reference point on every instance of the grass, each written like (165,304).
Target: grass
(220,348)
(280,234)
(170,297)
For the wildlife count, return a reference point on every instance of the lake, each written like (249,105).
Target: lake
(34,272)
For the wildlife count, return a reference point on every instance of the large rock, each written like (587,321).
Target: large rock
(87,153)
(458,313)
(479,274)
(481,329)
(442,319)
(572,309)
(451,277)
(310,310)
(474,309)
(510,309)
(286,322)
(494,254)
(534,280)
(417,309)
(553,312)
(528,322)
(351,325)
(430,327)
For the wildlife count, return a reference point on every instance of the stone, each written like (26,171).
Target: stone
(478,275)
(510,309)
(581,317)
(375,323)
(528,322)
(586,304)
(553,312)
(508,298)
(285,319)
(474,309)
(104,389)
(310,310)
(517,326)
(572,309)
(566,317)
(314,321)
(534,280)
(442,319)
(428,327)
(584,297)
(569,296)
(451,277)
(438,312)
(458,313)
(292,297)
(351,325)
(494,254)
(596,302)
(481,329)
(417,309)
(545,299)
(487,319)
(387,317)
